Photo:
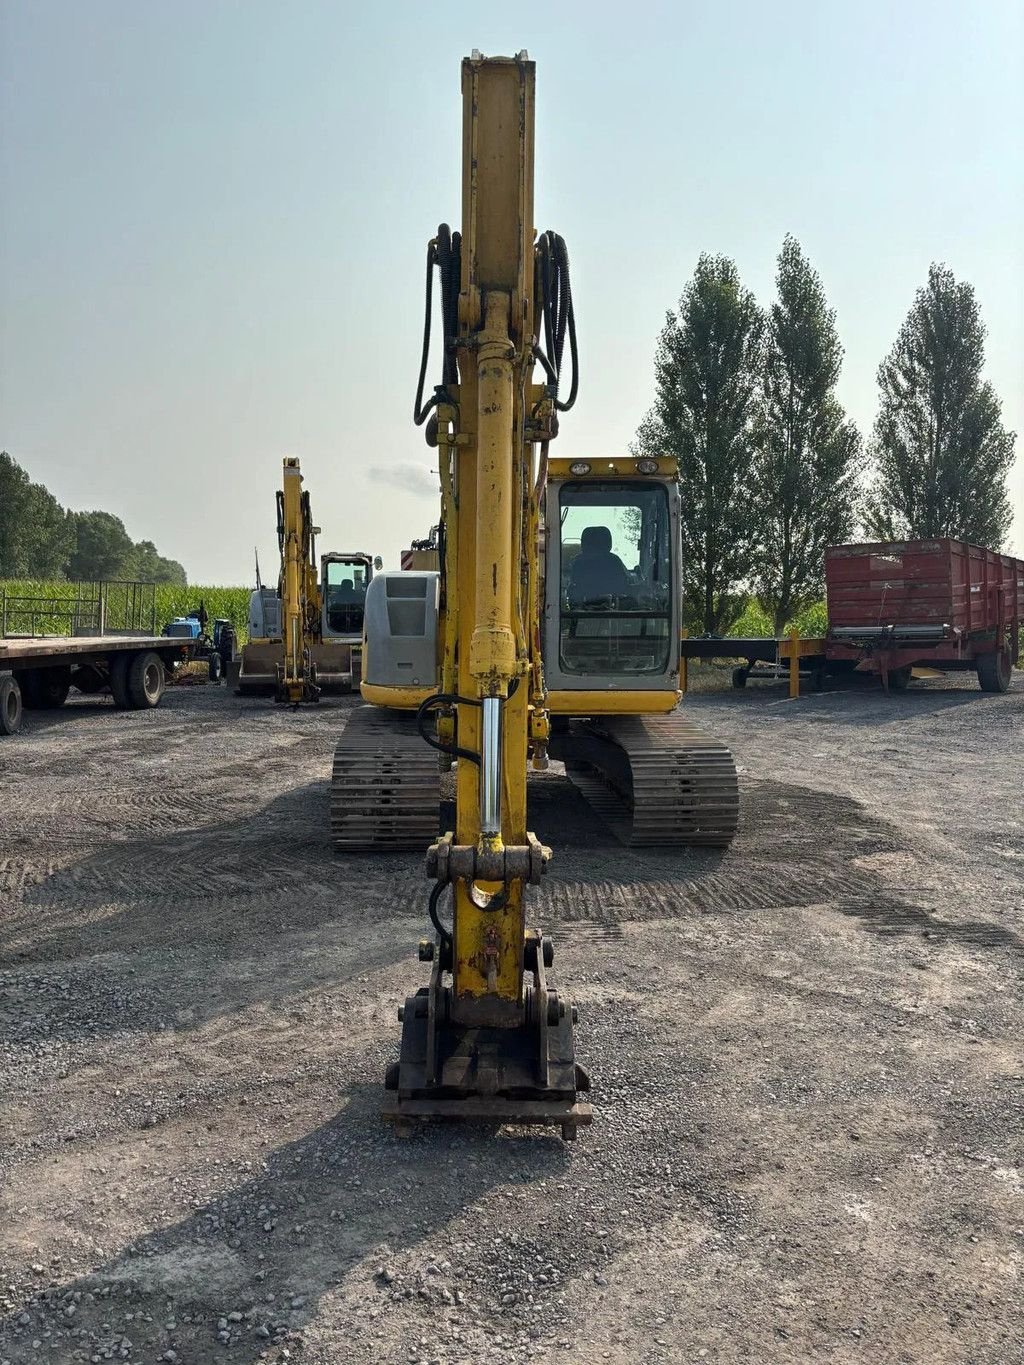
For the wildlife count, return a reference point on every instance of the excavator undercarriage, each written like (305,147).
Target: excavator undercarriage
(653,780)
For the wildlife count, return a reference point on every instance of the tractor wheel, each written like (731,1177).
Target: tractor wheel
(146,680)
(226,646)
(10,705)
(216,667)
(119,681)
(994,671)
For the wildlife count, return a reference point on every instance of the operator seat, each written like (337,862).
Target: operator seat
(596,572)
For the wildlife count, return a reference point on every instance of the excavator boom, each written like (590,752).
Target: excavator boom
(491,1038)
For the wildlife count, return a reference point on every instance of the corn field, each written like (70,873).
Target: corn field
(171,601)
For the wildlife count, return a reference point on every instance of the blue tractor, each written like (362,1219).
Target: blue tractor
(217,648)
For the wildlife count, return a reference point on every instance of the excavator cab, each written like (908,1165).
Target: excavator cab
(611,603)
(343,583)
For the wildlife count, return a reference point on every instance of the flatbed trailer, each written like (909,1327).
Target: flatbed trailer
(38,668)
(779,651)
(942,604)
(39,673)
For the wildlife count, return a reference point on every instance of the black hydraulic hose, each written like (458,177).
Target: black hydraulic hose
(549,369)
(449,263)
(437,699)
(558,314)
(431,704)
(420,410)
(567,320)
(445,251)
(443,932)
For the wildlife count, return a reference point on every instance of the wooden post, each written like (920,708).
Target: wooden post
(794,663)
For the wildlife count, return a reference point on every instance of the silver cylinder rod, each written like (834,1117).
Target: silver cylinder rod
(490,767)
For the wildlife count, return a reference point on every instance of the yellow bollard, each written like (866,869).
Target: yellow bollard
(794,663)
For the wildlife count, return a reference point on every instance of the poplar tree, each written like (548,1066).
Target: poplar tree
(706,371)
(808,462)
(940,452)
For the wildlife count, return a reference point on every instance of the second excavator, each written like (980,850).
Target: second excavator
(550,628)
(305,639)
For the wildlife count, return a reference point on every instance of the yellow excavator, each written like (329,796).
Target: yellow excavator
(550,627)
(305,639)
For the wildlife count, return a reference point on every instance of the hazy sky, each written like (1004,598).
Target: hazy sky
(214,217)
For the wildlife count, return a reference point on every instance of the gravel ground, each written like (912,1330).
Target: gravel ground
(806,1055)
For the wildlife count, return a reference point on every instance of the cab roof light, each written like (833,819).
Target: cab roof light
(579,468)
(647,466)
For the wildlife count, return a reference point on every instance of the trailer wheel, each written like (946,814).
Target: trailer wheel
(216,667)
(739,677)
(119,681)
(146,680)
(10,705)
(994,671)
(899,678)
(818,678)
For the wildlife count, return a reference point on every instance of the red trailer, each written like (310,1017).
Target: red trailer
(936,603)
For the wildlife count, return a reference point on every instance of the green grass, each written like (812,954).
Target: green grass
(171,601)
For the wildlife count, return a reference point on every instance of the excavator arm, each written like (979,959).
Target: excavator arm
(491,1038)
(298,587)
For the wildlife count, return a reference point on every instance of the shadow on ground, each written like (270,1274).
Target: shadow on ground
(288,1235)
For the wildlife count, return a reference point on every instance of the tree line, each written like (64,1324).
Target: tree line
(772,471)
(40,539)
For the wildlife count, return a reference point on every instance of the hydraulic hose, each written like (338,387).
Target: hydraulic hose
(444,251)
(443,932)
(431,703)
(554,286)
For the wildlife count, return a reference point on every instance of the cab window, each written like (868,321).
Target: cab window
(615,578)
(345,597)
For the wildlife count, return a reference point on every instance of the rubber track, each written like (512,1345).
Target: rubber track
(662,781)
(385,786)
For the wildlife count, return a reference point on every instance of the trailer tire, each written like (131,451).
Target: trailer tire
(216,667)
(119,681)
(146,680)
(10,705)
(899,678)
(739,677)
(994,671)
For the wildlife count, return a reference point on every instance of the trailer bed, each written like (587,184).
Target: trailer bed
(52,650)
